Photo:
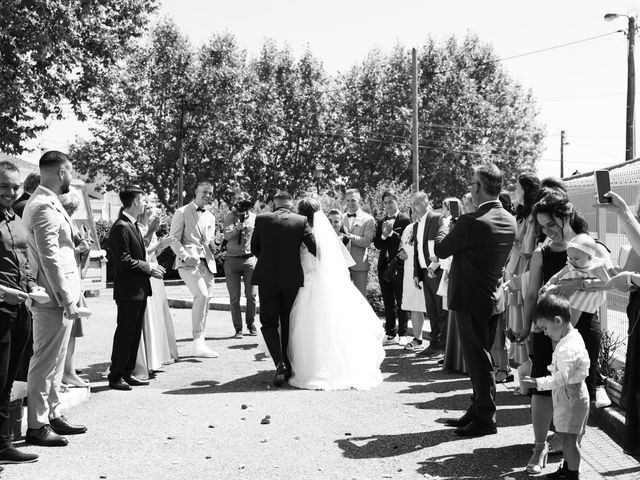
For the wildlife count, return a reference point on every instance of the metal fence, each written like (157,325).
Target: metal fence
(604,225)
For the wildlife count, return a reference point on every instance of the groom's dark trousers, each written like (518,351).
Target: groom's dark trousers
(276,241)
(275,308)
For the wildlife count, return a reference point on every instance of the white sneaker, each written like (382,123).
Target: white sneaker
(200,349)
(390,340)
(602,399)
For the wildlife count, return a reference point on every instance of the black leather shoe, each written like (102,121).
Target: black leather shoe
(135,382)
(476,429)
(119,385)
(13,455)
(62,426)
(282,375)
(44,437)
(459,422)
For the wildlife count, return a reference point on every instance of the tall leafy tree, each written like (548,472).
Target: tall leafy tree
(142,114)
(57,51)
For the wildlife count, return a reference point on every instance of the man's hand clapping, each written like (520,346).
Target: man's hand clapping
(387,229)
(157,271)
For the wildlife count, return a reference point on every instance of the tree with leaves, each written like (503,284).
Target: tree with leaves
(54,53)
(141,114)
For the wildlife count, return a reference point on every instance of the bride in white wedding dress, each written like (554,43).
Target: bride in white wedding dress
(335,337)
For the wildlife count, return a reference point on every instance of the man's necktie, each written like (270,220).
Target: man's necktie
(389,218)
(200,209)
(351,214)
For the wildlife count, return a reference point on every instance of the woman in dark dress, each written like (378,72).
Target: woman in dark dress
(560,222)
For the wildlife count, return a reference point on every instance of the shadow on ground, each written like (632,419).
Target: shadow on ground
(253,383)
(483,463)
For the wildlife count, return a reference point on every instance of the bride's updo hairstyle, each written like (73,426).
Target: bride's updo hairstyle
(307,207)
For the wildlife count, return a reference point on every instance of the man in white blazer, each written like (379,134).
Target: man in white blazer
(360,228)
(52,260)
(195,228)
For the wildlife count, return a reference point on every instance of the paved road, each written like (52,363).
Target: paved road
(189,423)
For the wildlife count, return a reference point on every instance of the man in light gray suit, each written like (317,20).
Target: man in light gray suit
(360,228)
(52,260)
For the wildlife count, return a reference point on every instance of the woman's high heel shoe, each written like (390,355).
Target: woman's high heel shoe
(539,458)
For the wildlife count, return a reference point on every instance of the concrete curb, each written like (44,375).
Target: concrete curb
(610,420)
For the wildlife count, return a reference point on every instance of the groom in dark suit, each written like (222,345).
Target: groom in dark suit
(131,287)
(276,242)
(480,243)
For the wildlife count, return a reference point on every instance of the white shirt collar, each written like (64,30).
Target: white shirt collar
(48,190)
(130,217)
(424,217)
(488,201)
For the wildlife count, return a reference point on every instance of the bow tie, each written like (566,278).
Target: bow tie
(351,214)
(200,209)
(389,218)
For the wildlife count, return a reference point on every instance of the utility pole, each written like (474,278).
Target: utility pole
(629,151)
(181,158)
(414,84)
(631,91)
(563,142)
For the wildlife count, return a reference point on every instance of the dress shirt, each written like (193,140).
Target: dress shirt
(569,363)
(133,219)
(422,223)
(238,243)
(350,219)
(14,269)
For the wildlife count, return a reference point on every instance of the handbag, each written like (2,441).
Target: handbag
(393,272)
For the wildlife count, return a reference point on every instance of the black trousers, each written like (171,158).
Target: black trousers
(589,327)
(392,299)
(275,307)
(477,333)
(126,338)
(437,315)
(14,334)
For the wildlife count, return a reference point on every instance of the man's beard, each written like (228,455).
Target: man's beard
(64,188)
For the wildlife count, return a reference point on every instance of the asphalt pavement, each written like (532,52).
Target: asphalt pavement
(202,419)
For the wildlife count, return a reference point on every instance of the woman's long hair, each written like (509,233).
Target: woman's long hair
(531,187)
(557,205)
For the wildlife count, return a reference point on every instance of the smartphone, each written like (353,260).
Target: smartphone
(603,185)
(454,209)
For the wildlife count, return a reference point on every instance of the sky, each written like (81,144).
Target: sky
(580,88)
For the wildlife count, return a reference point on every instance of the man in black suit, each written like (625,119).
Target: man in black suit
(427,272)
(30,184)
(131,287)
(276,242)
(480,243)
(387,239)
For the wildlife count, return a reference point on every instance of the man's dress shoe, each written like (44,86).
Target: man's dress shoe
(12,455)
(282,375)
(135,382)
(44,437)
(476,429)
(119,385)
(459,422)
(62,426)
